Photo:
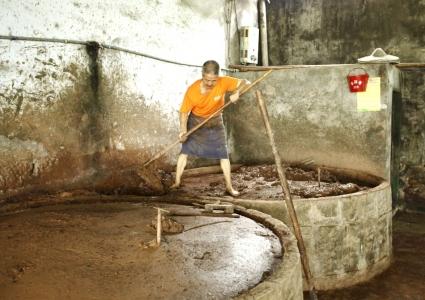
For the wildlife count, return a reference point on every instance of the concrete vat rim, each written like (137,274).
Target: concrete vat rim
(350,213)
(382,186)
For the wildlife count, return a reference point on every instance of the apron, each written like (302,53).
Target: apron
(209,141)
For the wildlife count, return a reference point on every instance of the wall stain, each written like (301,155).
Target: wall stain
(344,30)
(412,158)
(40,75)
(76,127)
(94,135)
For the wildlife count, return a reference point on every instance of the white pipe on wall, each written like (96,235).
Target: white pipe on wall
(262,20)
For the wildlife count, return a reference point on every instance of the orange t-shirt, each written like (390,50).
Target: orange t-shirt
(204,105)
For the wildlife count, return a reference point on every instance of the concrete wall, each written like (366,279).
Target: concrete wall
(314,115)
(68,111)
(412,134)
(142,97)
(175,29)
(323,32)
(45,93)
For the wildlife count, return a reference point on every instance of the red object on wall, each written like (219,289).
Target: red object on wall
(357,82)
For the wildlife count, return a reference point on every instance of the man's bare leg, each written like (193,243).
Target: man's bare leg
(225,166)
(181,164)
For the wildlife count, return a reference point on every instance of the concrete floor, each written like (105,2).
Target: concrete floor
(405,279)
(98,251)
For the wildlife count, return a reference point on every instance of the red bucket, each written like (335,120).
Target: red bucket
(357,82)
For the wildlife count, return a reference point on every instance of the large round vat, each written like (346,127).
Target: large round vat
(347,236)
(89,246)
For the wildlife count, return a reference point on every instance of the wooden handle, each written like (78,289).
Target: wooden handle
(288,200)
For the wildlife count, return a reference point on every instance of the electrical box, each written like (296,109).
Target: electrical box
(248,44)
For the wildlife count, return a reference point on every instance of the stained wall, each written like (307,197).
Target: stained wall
(73,110)
(325,32)
(337,32)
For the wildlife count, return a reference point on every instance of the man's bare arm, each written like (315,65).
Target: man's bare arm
(183,116)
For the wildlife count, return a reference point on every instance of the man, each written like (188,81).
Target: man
(202,99)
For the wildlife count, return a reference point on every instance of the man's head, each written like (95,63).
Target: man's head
(210,70)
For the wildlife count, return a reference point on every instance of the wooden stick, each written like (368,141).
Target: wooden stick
(243,68)
(243,91)
(204,214)
(158,228)
(288,199)
(410,65)
(318,175)
(159,225)
(202,225)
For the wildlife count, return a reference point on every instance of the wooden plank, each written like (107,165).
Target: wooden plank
(410,65)
(243,68)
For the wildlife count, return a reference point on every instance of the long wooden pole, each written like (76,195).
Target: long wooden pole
(243,91)
(158,228)
(288,199)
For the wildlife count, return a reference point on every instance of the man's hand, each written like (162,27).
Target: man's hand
(182,137)
(234,97)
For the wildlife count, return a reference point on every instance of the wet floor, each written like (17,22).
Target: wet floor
(101,251)
(405,279)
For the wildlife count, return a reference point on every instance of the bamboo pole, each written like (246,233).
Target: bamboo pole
(243,91)
(288,199)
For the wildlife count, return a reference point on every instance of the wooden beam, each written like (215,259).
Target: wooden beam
(410,65)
